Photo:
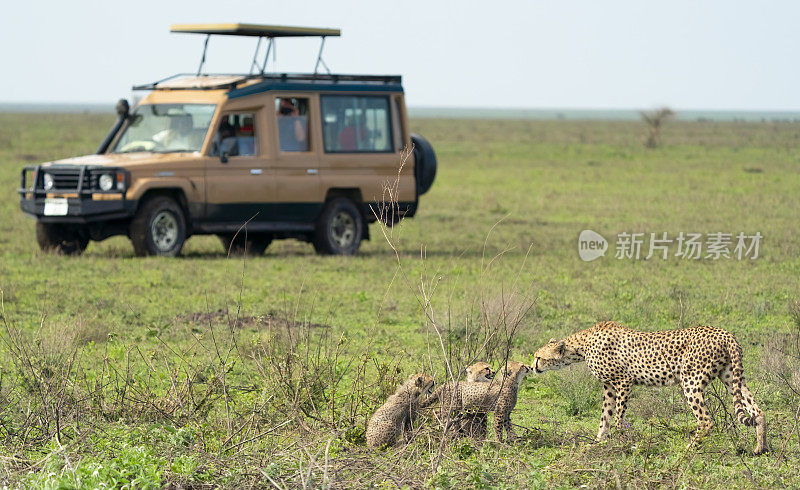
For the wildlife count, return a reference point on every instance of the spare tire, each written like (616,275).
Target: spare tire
(424,163)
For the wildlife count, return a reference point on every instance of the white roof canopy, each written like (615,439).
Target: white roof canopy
(255,30)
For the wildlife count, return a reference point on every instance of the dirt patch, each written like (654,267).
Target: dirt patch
(226,317)
(29,157)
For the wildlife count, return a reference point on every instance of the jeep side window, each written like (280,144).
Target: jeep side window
(239,128)
(398,137)
(356,124)
(292,116)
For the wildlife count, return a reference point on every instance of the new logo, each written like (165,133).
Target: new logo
(591,245)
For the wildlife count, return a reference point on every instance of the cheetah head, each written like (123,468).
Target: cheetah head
(480,371)
(554,355)
(419,384)
(516,370)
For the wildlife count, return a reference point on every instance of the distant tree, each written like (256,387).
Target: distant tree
(654,120)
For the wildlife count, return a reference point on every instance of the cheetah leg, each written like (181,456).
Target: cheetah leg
(408,429)
(623,393)
(408,424)
(462,423)
(757,417)
(502,426)
(479,426)
(694,386)
(511,434)
(609,405)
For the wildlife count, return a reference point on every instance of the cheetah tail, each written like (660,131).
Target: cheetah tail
(737,370)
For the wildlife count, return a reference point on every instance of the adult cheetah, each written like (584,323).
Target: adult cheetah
(396,416)
(620,358)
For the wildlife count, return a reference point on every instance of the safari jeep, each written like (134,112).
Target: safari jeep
(250,158)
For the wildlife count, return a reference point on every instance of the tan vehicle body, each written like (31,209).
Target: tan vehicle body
(278,194)
(285,176)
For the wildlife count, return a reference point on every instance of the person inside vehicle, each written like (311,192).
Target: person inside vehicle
(291,127)
(353,134)
(178,135)
(245,133)
(226,131)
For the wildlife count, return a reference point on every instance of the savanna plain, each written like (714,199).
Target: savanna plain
(208,370)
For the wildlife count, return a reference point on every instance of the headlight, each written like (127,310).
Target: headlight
(48,182)
(106,182)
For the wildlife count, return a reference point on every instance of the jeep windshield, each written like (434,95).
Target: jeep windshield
(166,128)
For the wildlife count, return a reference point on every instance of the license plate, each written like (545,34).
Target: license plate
(55,207)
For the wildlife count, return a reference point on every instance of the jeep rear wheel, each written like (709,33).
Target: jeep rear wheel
(339,228)
(255,243)
(60,239)
(159,228)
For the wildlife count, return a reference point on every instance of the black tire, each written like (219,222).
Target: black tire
(61,239)
(159,228)
(255,244)
(424,163)
(339,228)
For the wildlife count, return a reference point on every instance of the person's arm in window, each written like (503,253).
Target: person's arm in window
(299,130)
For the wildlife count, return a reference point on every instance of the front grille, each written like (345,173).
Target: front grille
(90,180)
(65,179)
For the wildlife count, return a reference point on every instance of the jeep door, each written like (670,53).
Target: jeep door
(296,140)
(239,184)
(362,138)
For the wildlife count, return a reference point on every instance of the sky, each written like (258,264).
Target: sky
(571,54)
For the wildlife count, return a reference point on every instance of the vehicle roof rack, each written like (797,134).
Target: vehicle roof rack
(261,31)
(214,81)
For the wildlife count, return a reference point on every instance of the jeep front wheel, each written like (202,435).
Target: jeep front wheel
(159,228)
(339,228)
(61,239)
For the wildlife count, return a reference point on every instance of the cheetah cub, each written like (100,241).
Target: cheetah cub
(395,417)
(498,396)
(480,372)
(620,358)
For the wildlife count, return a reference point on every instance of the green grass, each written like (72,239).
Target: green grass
(150,385)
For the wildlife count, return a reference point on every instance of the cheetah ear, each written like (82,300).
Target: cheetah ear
(561,347)
(552,341)
(420,381)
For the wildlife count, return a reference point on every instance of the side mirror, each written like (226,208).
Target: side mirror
(225,149)
(123,109)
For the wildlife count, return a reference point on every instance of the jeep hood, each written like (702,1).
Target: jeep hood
(126,160)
